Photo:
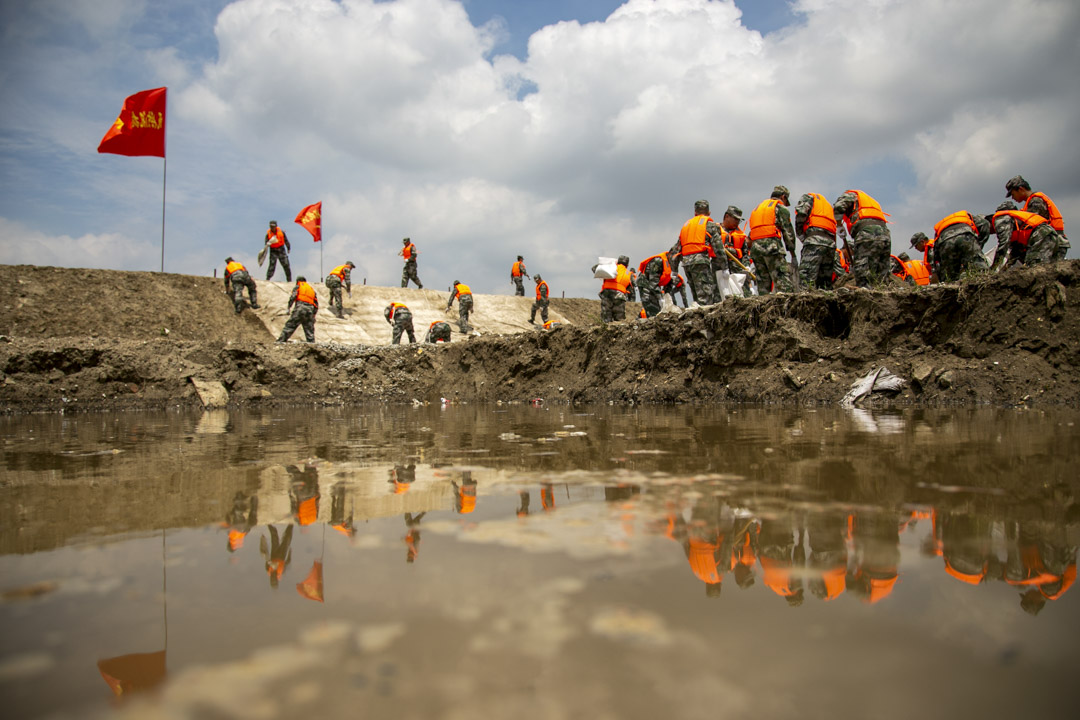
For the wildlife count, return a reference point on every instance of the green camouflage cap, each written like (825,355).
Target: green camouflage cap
(734,212)
(701,206)
(1007,205)
(781,191)
(917,237)
(273,223)
(1015,183)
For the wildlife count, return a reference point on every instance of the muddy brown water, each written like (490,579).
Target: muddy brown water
(540,562)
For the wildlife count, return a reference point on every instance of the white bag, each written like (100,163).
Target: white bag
(606,268)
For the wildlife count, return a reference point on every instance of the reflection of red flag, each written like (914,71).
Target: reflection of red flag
(139,128)
(311,220)
(312,587)
(131,673)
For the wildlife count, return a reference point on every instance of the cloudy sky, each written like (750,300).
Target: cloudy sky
(556,129)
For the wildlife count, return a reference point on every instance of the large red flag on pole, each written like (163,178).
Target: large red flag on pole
(310,218)
(140,127)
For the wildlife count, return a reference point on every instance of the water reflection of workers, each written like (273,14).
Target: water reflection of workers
(241,518)
(523,504)
(304,493)
(547,497)
(875,538)
(278,555)
(464,494)
(707,541)
(965,545)
(402,477)
(746,551)
(826,533)
(781,552)
(1040,561)
(412,536)
(622,491)
(339,520)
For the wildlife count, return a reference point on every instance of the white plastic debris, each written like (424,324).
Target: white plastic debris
(879,380)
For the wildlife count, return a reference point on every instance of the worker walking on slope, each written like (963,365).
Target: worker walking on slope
(770,233)
(870,237)
(700,241)
(613,292)
(654,273)
(236,279)
(518,273)
(1039,203)
(339,276)
(542,301)
(438,331)
(463,295)
(815,226)
(306,304)
(408,251)
(279,251)
(400,320)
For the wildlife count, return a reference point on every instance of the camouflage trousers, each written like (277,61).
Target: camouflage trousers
(465,306)
(277,254)
(333,284)
(612,305)
(302,314)
(239,281)
(542,306)
(438,331)
(956,253)
(870,251)
(1063,247)
(771,267)
(1043,246)
(816,266)
(409,273)
(702,279)
(519,286)
(402,324)
(650,296)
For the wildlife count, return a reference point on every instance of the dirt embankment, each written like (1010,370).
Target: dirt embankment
(94,339)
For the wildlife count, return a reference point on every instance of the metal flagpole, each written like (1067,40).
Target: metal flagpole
(164,165)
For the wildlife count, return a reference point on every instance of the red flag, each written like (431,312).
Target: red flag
(139,128)
(310,218)
(312,587)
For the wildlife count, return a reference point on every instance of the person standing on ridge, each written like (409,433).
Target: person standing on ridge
(871,241)
(1039,203)
(815,226)
(400,319)
(613,292)
(339,276)
(409,252)
(698,243)
(236,279)
(518,273)
(542,301)
(307,306)
(279,251)
(465,305)
(770,232)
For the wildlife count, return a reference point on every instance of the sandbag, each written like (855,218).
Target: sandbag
(606,268)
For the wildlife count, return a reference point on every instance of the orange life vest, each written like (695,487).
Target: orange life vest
(621,281)
(641,313)
(918,271)
(957,218)
(835,580)
(821,215)
(544,286)
(693,236)
(843,260)
(394,306)
(665,273)
(278,237)
(306,294)
(233,267)
(462,289)
(408,251)
(1056,220)
(433,324)
(516,270)
(1030,221)
(735,240)
(867,208)
(550,324)
(339,271)
(763,221)
(903,270)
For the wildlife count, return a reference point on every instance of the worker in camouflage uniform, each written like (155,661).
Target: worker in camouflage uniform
(1034,233)
(815,226)
(1003,254)
(1040,203)
(339,276)
(409,252)
(958,239)
(463,295)
(400,320)
(518,273)
(306,304)
(542,301)
(236,279)
(631,289)
(438,331)
(734,241)
(771,232)
(700,240)
(613,292)
(279,247)
(871,241)
(655,271)
(925,245)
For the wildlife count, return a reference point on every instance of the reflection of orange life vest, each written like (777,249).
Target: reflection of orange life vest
(703,560)
(957,218)
(234,267)
(339,271)
(735,241)
(917,271)
(306,294)
(665,273)
(969,578)
(821,215)
(867,208)
(763,221)
(308,511)
(408,251)
(539,285)
(835,580)
(394,308)
(516,270)
(692,237)
(1056,220)
(467,498)
(547,498)
(777,576)
(621,281)
(276,236)
(236,539)
(1030,221)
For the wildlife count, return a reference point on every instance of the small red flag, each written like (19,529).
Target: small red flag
(312,587)
(310,218)
(139,128)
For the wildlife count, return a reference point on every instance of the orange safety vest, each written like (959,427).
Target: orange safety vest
(279,238)
(665,273)
(550,324)
(516,270)
(408,251)
(843,260)
(339,271)
(763,221)
(918,271)
(233,267)
(394,308)
(1029,219)
(867,207)
(306,294)
(957,218)
(463,289)
(821,215)
(692,237)
(540,285)
(433,325)
(735,241)
(620,282)
(1056,220)
(641,313)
